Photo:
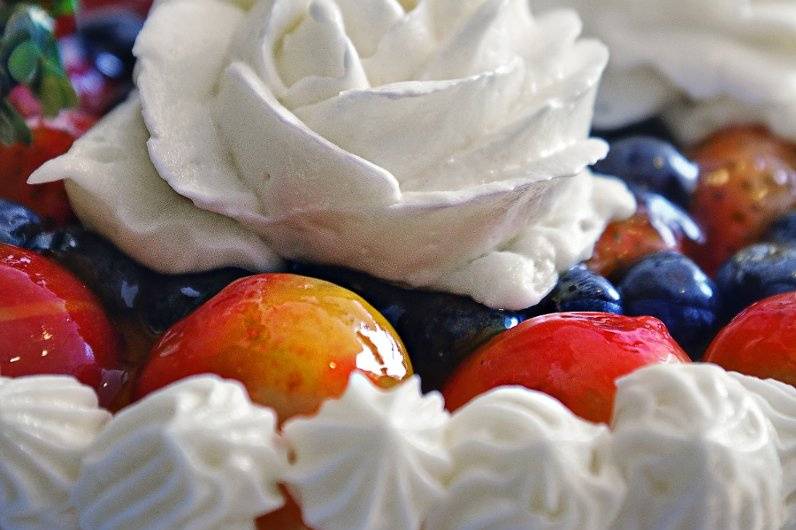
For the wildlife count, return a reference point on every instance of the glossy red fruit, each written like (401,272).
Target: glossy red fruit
(292,341)
(760,341)
(747,180)
(574,357)
(51,138)
(50,323)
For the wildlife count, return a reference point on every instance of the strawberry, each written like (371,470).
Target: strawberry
(748,179)
(760,341)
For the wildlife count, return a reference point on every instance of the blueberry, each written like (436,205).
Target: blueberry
(108,40)
(671,221)
(672,288)
(114,277)
(756,272)
(783,230)
(18,225)
(170,298)
(580,289)
(651,164)
(439,330)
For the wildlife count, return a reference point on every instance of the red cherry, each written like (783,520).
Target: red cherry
(747,180)
(50,323)
(760,341)
(574,357)
(292,341)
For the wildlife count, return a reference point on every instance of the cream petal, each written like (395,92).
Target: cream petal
(366,21)
(181,53)
(293,169)
(115,190)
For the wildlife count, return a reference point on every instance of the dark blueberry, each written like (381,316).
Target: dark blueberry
(671,221)
(170,298)
(672,288)
(114,277)
(580,289)
(754,273)
(108,40)
(18,225)
(439,330)
(783,230)
(651,164)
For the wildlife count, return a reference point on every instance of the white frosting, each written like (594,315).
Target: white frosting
(778,402)
(426,146)
(196,455)
(733,60)
(522,460)
(371,460)
(697,452)
(46,425)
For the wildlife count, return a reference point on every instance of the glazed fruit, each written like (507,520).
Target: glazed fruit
(18,225)
(761,341)
(754,273)
(672,288)
(658,225)
(748,180)
(292,341)
(580,289)
(440,330)
(50,323)
(108,39)
(783,230)
(574,357)
(652,164)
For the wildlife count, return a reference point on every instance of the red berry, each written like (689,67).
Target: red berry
(747,180)
(574,357)
(292,341)
(760,341)
(50,323)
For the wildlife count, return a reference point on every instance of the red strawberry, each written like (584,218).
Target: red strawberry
(760,341)
(748,179)
(574,357)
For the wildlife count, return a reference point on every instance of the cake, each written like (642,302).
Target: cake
(366,265)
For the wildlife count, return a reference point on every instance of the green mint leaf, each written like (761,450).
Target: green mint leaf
(13,128)
(23,63)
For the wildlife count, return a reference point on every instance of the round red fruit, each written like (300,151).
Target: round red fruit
(50,323)
(760,341)
(292,341)
(574,357)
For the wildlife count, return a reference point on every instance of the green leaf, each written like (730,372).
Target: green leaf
(23,64)
(13,128)
(55,93)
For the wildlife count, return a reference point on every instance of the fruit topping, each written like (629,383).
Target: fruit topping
(18,225)
(748,180)
(108,39)
(651,164)
(574,357)
(292,341)
(673,289)
(754,273)
(580,289)
(50,323)
(760,341)
(783,230)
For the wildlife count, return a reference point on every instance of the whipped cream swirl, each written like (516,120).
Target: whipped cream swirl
(697,452)
(523,460)
(706,63)
(197,455)
(371,460)
(46,426)
(423,142)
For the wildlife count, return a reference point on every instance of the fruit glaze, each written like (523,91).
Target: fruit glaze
(364,265)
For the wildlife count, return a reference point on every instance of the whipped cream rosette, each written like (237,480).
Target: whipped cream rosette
(46,426)
(196,455)
(371,460)
(697,451)
(523,460)
(707,63)
(429,143)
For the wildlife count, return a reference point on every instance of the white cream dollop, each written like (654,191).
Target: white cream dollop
(371,460)
(197,455)
(523,460)
(46,426)
(697,452)
(428,142)
(704,63)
